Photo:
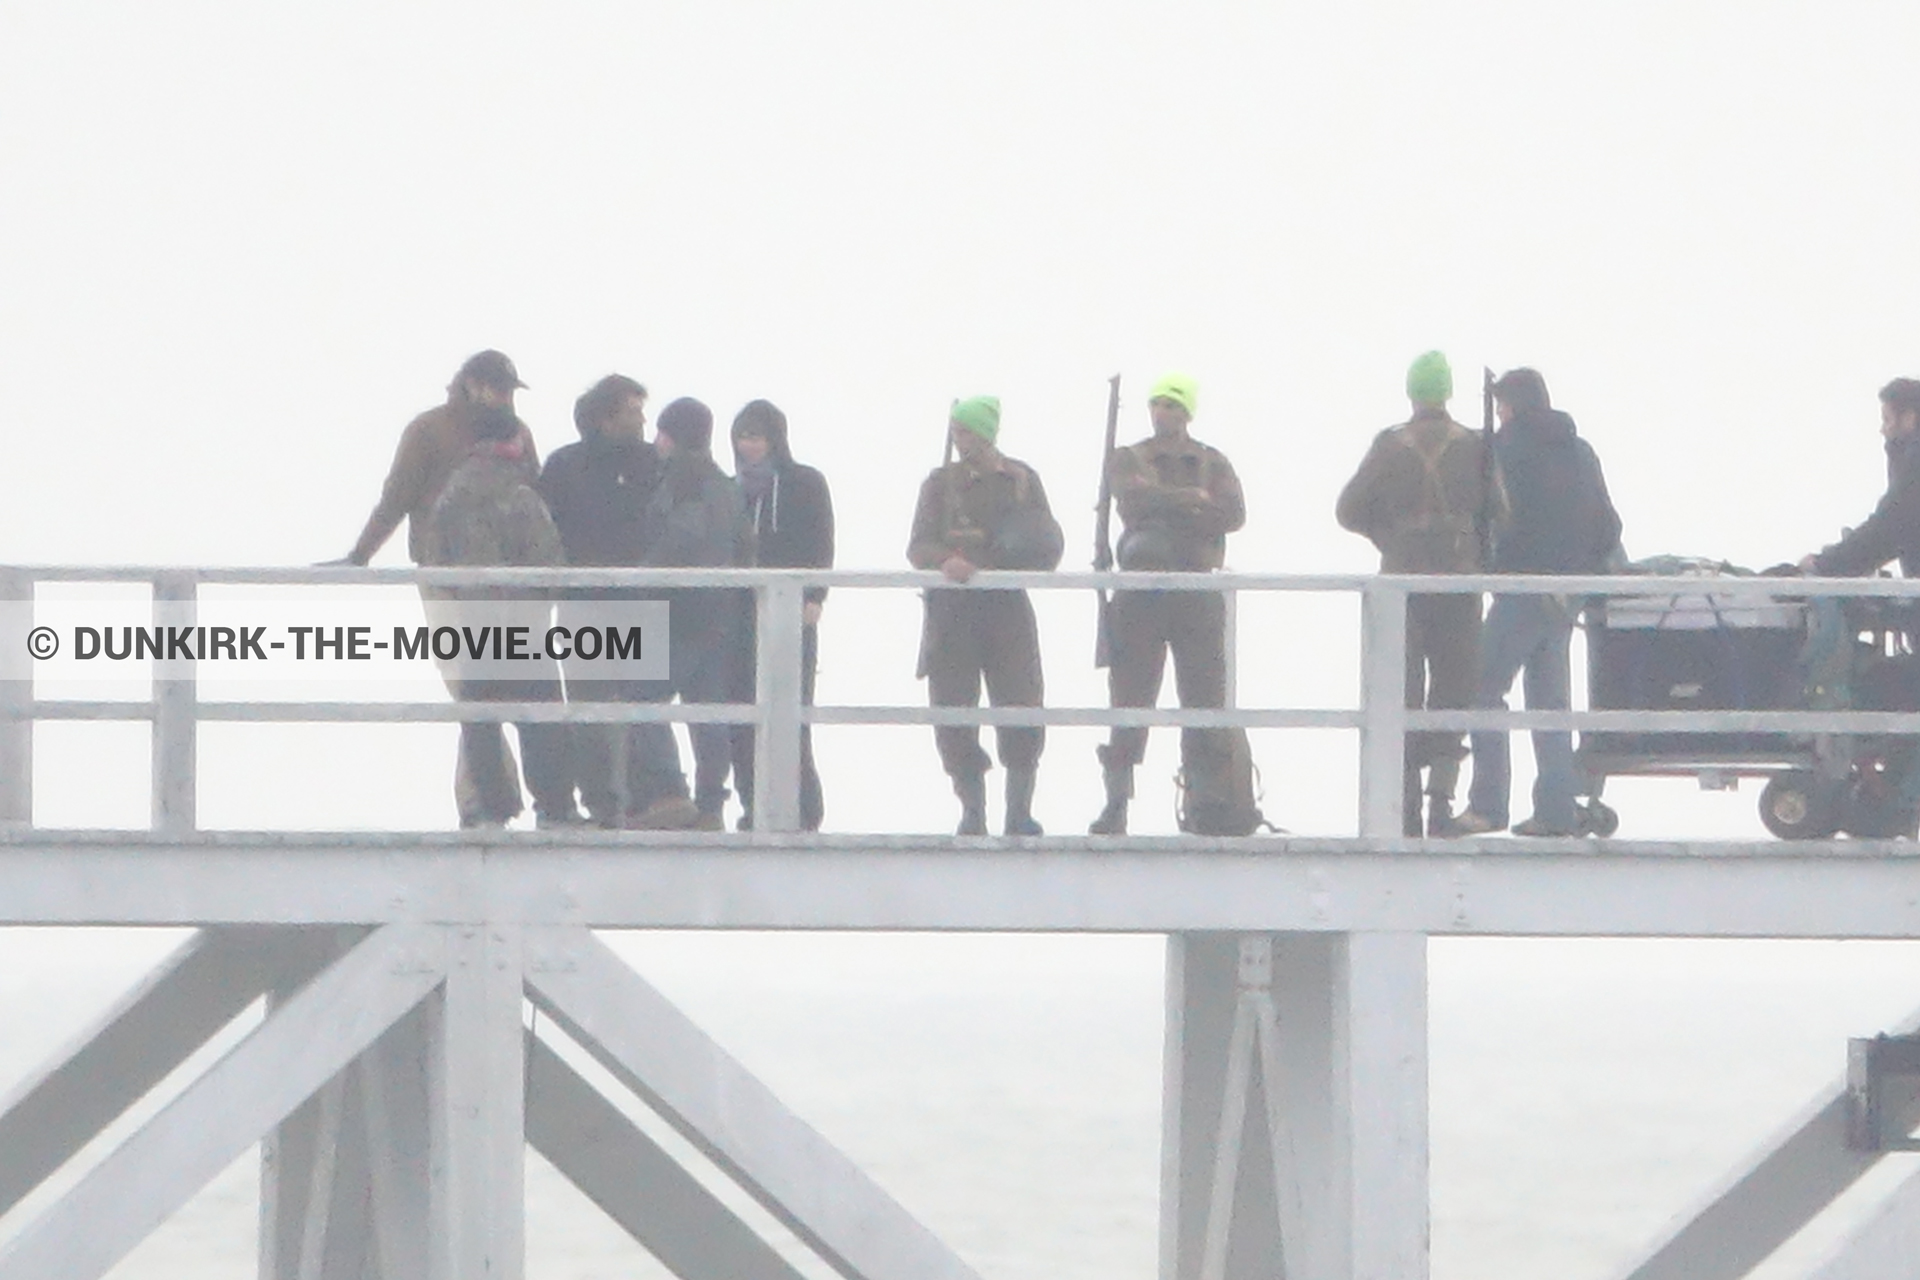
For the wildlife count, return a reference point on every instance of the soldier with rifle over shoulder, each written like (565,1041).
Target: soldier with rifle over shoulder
(1178,501)
(984,511)
(1429,497)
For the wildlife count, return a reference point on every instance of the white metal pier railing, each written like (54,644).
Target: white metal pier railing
(395,1085)
(175,708)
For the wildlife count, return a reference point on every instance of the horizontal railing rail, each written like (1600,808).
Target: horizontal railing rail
(1380,717)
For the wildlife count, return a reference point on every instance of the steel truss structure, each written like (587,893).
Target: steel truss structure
(395,1084)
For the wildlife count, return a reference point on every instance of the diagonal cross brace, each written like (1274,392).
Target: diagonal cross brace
(734,1119)
(1793,1177)
(257,1084)
(182,1003)
(638,1185)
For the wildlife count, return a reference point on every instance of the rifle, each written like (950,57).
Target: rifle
(1483,520)
(924,663)
(1103,528)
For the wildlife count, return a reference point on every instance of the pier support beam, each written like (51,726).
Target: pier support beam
(1296,1071)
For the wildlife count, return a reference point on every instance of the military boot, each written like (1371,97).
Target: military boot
(972,790)
(1113,819)
(1020,802)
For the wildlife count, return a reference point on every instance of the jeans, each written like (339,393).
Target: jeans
(1530,634)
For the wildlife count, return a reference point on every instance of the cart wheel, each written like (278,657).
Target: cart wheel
(1798,806)
(1872,810)
(1598,819)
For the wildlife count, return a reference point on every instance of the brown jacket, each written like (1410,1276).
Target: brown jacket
(431,448)
(996,516)
(1181,495)
(1421,496)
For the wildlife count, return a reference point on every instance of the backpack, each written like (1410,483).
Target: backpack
(1216,792)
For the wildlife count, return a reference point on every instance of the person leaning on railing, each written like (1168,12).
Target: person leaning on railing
(433,445)
(984,510)
(1891,532)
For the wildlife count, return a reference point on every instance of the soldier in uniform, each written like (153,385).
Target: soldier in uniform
(1178,500)
(1429,497)
(984,511)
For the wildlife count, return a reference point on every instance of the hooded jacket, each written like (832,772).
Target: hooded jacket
(1892,531)
(793,522)
(1561,519)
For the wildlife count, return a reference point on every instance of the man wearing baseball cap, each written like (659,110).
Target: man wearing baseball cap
(433,446)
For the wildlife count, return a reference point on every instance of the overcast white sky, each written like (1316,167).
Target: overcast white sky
(246,243)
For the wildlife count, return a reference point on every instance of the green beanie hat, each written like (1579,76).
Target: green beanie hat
(1180,389)
(980,415)
(1430,379)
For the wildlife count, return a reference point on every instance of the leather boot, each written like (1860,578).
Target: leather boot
(1020,802)
(972,790)
(1113,819)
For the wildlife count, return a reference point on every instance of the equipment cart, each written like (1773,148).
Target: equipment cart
(1698,651)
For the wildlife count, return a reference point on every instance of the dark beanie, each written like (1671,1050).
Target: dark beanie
(688,423)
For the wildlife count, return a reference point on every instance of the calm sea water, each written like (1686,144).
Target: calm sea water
(1007,1089)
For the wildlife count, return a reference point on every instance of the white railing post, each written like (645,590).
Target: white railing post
(1230,630)
(175,708)
(1383,708)
(776,739)
(16,700)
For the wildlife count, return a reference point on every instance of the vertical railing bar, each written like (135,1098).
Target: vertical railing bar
(1230,624)
(776,742)
(175,709)
(1383,708)
(16,700)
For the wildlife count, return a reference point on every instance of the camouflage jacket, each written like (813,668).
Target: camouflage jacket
(490,514)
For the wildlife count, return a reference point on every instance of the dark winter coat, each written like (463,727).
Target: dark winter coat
(598,491)
(696,518)
(1892,532)
(1561,518)
(793,523)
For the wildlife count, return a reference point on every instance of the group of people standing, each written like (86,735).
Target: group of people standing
(468,481)
(1435,497)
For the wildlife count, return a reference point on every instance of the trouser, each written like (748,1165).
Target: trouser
(990,635)
(621,768)
(746,689)
(1443,644)
(1530,634)
(702,626)
(1145,627)
(485,788)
